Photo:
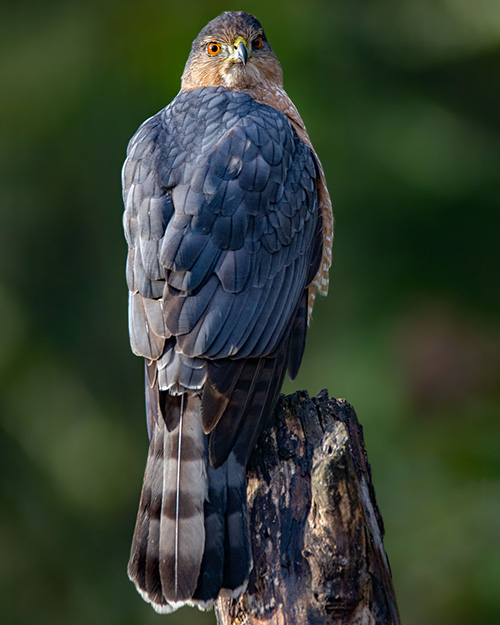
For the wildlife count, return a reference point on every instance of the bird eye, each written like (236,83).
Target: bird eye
(257,43)
(213,49)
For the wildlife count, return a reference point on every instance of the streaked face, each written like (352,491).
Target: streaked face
(232,53)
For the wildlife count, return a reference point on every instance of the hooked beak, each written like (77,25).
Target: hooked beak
(240,53)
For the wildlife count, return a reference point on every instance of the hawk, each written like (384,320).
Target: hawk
(229,228)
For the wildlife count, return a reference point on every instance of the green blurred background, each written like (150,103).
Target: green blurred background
(402,102)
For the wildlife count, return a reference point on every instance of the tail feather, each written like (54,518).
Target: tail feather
(210,580)
(237,554)
(191,537)
(143,567)
(153,512)
(225,433)
(252,428)
(169,537)
(218,389)
(184,492)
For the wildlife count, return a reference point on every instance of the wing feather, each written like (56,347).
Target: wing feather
(221,221)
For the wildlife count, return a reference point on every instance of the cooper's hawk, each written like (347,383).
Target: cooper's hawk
(229,227)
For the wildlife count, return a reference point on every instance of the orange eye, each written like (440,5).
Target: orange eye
(213,49)
(257,43)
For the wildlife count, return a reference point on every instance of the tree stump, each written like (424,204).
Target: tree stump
(318,555)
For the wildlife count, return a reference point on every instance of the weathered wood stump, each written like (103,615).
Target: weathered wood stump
(316,529)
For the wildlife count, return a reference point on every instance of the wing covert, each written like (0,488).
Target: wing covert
(221,217)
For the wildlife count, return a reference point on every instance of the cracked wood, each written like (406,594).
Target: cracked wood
(317,533)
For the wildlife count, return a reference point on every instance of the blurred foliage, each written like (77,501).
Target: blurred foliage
(402,102)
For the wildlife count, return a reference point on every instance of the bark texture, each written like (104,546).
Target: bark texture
(318,554)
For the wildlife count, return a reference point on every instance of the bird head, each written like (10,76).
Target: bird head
(231,51)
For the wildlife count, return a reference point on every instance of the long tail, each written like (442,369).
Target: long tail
(191,537)
(227,559)
(169,538)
